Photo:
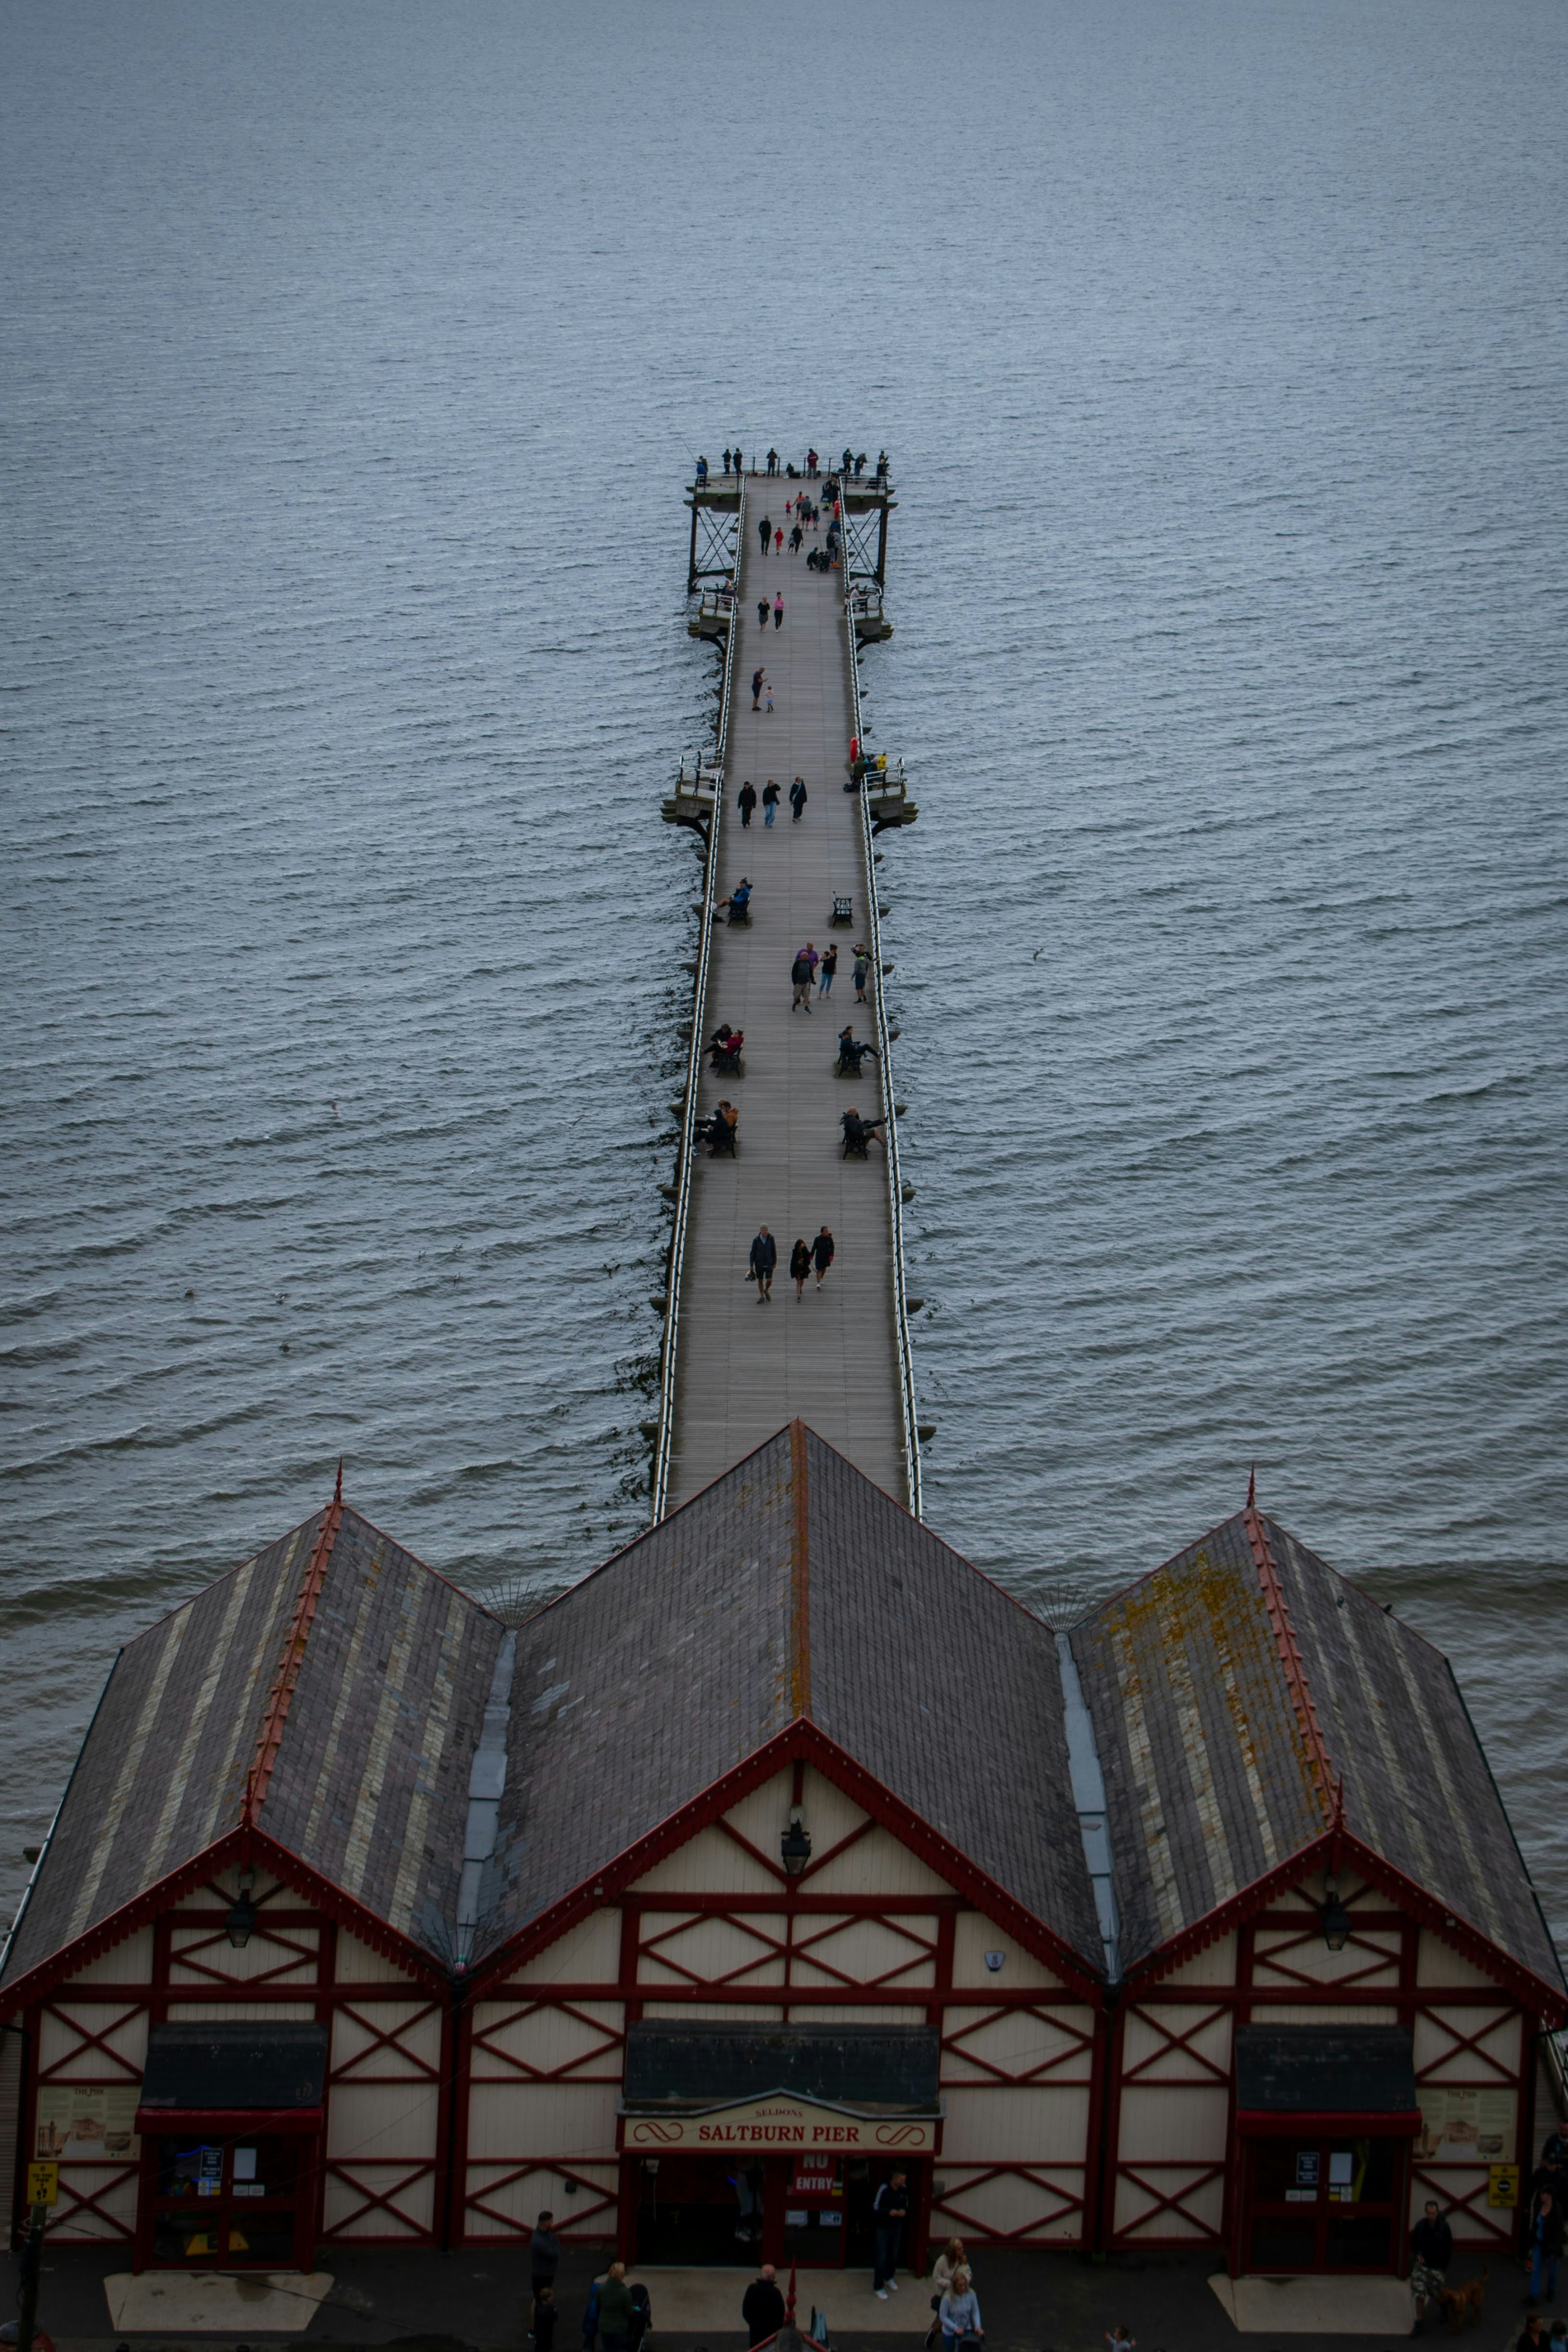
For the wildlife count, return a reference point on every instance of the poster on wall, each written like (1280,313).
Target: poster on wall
(87,2119)
(1467,2126)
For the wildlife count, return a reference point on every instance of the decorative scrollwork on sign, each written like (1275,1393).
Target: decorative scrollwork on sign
(650,2133)
(900,2136)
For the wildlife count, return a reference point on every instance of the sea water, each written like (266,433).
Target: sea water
(354,358)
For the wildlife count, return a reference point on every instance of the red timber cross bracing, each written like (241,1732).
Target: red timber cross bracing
(711,1810)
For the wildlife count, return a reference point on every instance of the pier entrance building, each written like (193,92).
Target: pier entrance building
(694,1906)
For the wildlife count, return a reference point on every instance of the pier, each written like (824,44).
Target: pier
(733,1369)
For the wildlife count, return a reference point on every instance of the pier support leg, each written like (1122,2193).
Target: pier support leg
(691,559)
(881,547)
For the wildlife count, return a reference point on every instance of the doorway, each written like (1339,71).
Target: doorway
(244,2203)
(700,2210)
(1322,2203)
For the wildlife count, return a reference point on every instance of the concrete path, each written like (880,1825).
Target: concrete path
(743,1369)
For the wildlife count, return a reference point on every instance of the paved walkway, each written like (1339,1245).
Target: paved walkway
(745,1369)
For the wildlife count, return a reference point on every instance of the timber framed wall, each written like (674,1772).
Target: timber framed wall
(716,1929)
(1173,2174)
(376,2178)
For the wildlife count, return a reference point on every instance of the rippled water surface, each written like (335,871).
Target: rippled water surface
(354,359)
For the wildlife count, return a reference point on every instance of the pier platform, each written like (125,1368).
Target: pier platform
(742,1367)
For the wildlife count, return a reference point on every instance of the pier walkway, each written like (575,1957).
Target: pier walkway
(741,1368)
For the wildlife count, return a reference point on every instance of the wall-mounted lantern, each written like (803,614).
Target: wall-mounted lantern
(1336,1919)
(240,1924)
(794,1846)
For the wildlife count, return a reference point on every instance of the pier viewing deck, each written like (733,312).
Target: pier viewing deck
(838,1358)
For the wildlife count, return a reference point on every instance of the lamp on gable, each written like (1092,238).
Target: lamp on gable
(240,1924)
(1334,1919)
(794,1846)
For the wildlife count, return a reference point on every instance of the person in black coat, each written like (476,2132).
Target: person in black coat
(762,2306)
(765,1256)
(543,2252)
(746,801)
(1431,2251)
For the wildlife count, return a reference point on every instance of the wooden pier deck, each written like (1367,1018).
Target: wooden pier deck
(741,1368)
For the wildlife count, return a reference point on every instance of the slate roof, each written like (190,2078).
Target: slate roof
(336,1687)
(1417,1787)
(792,1586)
(1326,2070)
(1218,1765)
(705,2061)
(369,1785)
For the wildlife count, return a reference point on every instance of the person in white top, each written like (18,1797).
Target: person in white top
(943,2271)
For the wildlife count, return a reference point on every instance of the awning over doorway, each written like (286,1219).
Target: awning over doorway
(1290,2077)
(886,2070)
(242,2077)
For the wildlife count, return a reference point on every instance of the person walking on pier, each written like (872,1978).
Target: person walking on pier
(795,537)
(1544,2246)
(797,798)
(778,540)
(862,967)
(761,612)
(773,461)
(1431,2251)
(800,1265)
(757,677)
(746,801)
(826,970)
(778,612)
(822,1255)
(889,2211)
(764,1257)
(762,2307)
(765,532)
(800,980)
(770,802)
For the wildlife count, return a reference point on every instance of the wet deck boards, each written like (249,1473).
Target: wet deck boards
(743,1369)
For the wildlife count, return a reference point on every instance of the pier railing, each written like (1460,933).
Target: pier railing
(664,1441)
(884,1062)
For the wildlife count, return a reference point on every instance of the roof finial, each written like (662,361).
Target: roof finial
(1252,1489)
(338,1489)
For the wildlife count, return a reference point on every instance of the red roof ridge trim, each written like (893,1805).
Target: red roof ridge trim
(1290,1659)
(800,1613)
(292,1658)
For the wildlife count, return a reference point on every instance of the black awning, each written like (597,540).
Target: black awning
(1345,2070)
(235,2066)
(843,2065)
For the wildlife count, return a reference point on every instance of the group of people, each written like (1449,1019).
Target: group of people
(746,798)
(809,971)
(763,1262)
(617,2315)
(1545,2215)
(807,517)
(850,465)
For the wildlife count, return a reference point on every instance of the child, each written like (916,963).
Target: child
(1120,2338)
(770,693)
(543,2328)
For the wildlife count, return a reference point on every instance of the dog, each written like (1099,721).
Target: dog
(1461,2303)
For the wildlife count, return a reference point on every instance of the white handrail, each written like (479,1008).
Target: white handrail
(662,1443)
(884,1052)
